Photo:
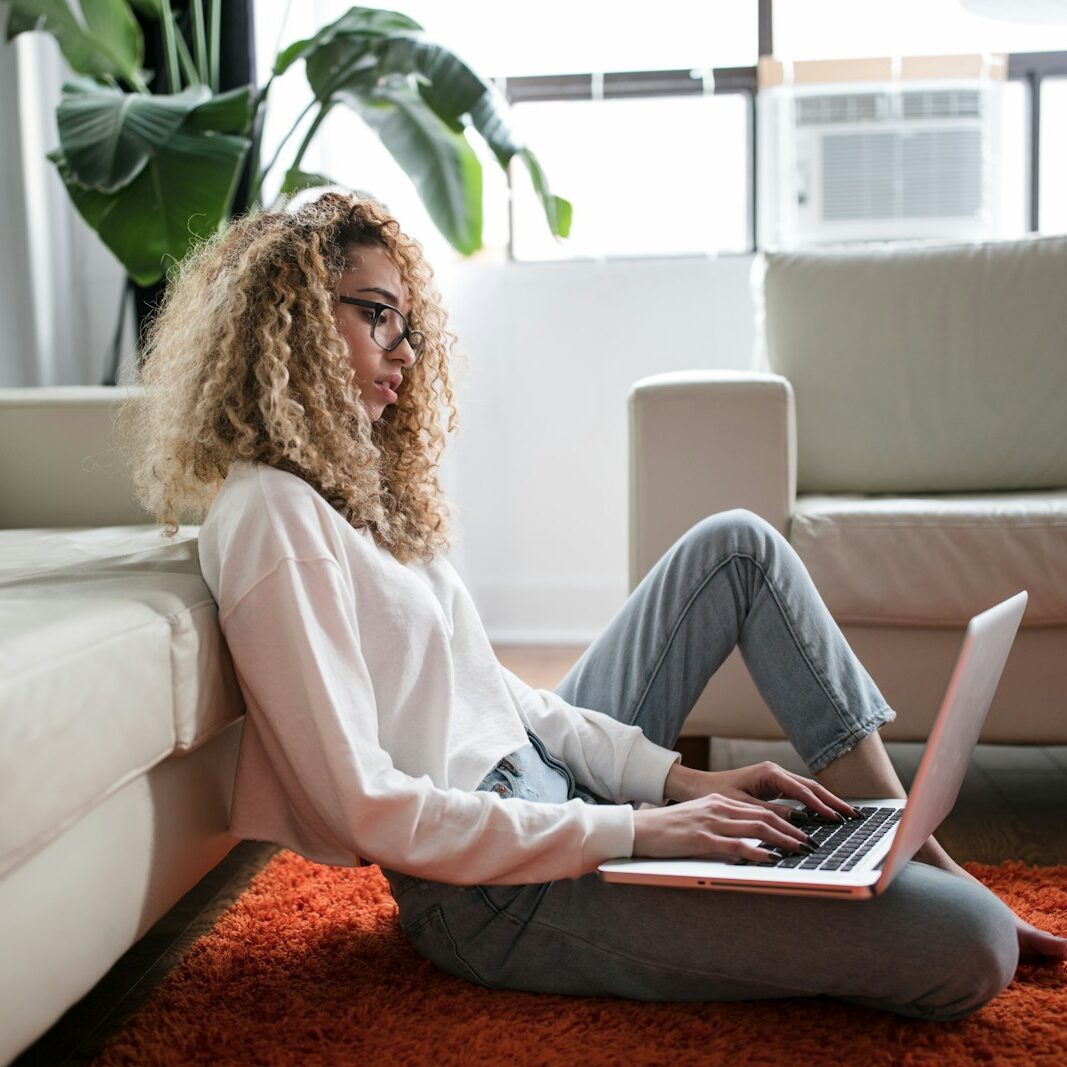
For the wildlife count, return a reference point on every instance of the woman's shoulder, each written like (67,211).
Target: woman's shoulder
(263,515)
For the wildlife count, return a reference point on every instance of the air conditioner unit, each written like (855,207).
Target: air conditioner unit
(873,162)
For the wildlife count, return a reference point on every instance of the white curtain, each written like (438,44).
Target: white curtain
(60,291)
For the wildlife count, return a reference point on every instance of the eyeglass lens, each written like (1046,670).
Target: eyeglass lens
(390,328)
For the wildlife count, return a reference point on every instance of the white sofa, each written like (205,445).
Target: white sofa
(906,430)
(120,713)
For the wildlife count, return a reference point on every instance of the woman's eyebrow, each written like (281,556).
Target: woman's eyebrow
(391,297)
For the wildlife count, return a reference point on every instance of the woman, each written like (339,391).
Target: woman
(292,383)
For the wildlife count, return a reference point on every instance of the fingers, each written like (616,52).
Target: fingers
(793,838)
(770,816)
(813,793)
(732,849)
(734,818)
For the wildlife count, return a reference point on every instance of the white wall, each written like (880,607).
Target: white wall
(538,468)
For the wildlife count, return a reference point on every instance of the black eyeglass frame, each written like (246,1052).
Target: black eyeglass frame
(379,307)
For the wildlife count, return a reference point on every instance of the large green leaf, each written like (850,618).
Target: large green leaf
(557,210)
(488,116)
(440,162)
(91,205)
(185,190)
(445,82)
(96,36)
(229,112)
(347,66)
(366,22)
(297,179)
(108,136)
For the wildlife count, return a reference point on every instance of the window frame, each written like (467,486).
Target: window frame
(1032,68)
(645,83)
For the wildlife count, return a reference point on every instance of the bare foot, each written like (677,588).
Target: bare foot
(1034,945)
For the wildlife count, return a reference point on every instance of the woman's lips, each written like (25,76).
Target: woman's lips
(392,397)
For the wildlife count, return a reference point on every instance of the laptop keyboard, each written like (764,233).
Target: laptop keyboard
(838,846)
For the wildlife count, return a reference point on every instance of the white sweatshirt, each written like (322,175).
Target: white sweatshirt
(375,706)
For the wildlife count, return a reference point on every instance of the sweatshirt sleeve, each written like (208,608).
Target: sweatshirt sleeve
(610,757)
(294,641)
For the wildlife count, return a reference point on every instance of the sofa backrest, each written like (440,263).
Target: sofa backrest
(923,367)
(61,463)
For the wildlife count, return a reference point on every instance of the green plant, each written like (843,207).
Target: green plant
(149,171)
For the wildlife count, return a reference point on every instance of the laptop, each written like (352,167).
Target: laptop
(859,858)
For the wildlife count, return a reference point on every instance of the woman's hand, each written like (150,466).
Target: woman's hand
(755,784)
(711,827)
(718,808)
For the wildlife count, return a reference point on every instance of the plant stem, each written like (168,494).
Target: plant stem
(215,14)
(254,194)
(171,47)
(256,129)
(200,40)
(311,133)
(192,75)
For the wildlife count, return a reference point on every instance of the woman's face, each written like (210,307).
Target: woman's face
(372,276)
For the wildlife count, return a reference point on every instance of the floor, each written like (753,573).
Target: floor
(1013,805)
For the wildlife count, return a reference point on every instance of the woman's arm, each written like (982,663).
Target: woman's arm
(294,640)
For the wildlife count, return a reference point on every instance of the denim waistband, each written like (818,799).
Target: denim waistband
(530,773)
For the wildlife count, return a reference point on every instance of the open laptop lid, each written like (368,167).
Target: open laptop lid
(948,750)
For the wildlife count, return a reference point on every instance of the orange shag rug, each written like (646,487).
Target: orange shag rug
(309,966)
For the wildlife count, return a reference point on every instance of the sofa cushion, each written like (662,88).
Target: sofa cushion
(937,559)
(112,660)
(923,368)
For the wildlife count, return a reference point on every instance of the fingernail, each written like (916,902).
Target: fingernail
(811,840)
(806,849)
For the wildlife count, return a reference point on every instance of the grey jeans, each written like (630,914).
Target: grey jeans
(933,946)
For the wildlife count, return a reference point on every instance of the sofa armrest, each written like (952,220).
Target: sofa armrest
(60,459)
(704,441)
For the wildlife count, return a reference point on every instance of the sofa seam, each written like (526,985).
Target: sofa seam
(27,851)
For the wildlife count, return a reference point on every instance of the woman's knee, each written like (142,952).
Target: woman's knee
(736,527)
(979,950)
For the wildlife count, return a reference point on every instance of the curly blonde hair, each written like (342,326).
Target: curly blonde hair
(244,361)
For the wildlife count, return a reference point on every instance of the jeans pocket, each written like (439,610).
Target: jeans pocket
(498,781)
(432,939)
(514,903)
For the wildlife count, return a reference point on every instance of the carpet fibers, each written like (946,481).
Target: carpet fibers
(309,966)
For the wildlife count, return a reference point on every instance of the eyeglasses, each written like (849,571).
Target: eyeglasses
(388,327)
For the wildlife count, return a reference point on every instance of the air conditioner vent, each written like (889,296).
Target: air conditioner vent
(941,104)
(841,107)
(857,176)
(918,174)
(942,172)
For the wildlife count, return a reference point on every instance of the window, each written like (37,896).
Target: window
(658,175)
(1053,182)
